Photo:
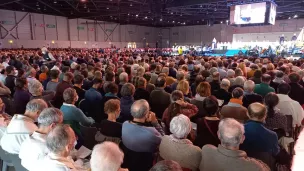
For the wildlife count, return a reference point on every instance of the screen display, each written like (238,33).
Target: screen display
(248,13)
(272,14)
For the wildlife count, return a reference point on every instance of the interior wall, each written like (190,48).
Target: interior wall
(56,31)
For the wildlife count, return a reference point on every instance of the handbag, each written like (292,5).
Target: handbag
(205,121)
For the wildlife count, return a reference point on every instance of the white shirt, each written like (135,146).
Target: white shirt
(19,129)
(2,78)
(53,162)
(5,64)
(32,150)
(291,107)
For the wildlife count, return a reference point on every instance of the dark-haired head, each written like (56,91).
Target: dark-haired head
(271,100)
(284,88)
(211,106)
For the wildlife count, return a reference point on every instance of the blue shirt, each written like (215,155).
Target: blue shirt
(92,95)
(72,113)
(140,138)
(260,139)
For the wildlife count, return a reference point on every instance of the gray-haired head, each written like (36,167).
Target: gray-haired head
(249,85)
(36,105)
(239,80)
(50,116)
(35,87)
(180,75)
(231,133)
(166,165)
(123,77)
(127,89)
(140,109)
(279,74)
(69,95)
(106,157)
(213,70)
(230,73)
(180,126)
(165,70)
(225,84)
(59,138)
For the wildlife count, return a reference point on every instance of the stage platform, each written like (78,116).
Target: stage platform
(227,53)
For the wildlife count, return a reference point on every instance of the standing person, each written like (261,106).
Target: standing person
(78,82)
(296,90)
(66,83)
(21,96)
(52,84)
(93,99)
(141,92)
(126,101)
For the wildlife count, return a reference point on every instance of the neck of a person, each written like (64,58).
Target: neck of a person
(112,117)
(30,115)
(43,130)
(78,85)
(141,120)
(55,80)
(257,120)
(231,148)
(95,87)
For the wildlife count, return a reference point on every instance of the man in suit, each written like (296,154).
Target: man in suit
(159,99)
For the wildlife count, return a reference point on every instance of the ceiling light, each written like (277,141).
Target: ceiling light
(173,21)
(23,9)
(131,5)
(221,22)
(215,9)
(171,13)
(136,15)
(83,0)
(197,21)
(181,15)
(146,17)
(89,10)
(201,6)
(85,6)
(37,4)
(295,16)
(289,18)
(161,19)
(227,21)
(55,1)
(44,9)
(110,0)
(128,14)
(38,8)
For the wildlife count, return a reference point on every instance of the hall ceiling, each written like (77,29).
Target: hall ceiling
(157,13)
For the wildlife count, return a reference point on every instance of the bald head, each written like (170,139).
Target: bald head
(257,111)
(140,109)
(231,133)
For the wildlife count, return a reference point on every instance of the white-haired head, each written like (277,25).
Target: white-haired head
(123,77)
(35,87)
(231,133)
(230,73)
(249,86)
(106,157)
(225,84)
(180,126)
(239,80)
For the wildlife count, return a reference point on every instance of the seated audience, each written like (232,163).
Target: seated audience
(141,92)
(150,87)
(203,91)
(4,91)
(21,96)
(275,119)
(259,139)
(277,80)
(21,126)
(296,90)
(60,142)
(66,83)
(123,79)
(169,80)
(177,147)
(159,99)
(257,77)
(231,76)
(126,101)
(287,106)
(109,127)
(249,95)
(223,93)
(44,73)
(111,93)
(10,78)
(107,157)
(215,83)
(71,114)
(207,126)
(52,84)
(238,82)
(234,108)
(264,88)
(34,148)
(180,75)
(178,106)
(183,86)
(143,133)
(227,155)
(198,80)
(166,165)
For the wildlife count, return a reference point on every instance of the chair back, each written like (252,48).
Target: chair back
(265,157)
(88,134)
(99,137)
(4,155)
(136,161)
(17,162)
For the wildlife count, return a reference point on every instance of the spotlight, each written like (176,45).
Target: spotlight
(289,18)
(146,17)
(173,21)
(83,0)
(221,22)
(131,5)
(227,21)
(161,19)
(295,16)
(108,8)
(136,15)
(55,1)
(128,14)
(171,13)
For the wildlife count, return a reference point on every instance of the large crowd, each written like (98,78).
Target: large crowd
(141,112)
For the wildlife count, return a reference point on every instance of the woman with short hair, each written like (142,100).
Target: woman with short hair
(183,86)
(177,147)
(21,96)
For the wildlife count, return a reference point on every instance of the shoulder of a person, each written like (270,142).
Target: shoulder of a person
(208,148)
(257,164)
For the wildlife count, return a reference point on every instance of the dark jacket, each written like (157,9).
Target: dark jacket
(296,92)
(259,139)
(80,92)
(236,111)
(215,85)
(222,94)
(58,99)
(159,100)
(141,93)
(21,98)
(125,107)
(10,83)
(251,98)
(93,99)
